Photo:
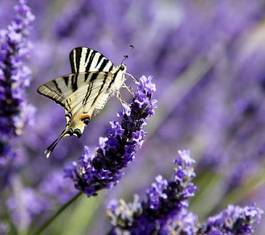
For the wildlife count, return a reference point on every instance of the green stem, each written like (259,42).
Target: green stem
(242,192)
(54,216)
(208,183)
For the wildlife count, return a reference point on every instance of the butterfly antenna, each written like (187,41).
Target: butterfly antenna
(49,150)
(125,57)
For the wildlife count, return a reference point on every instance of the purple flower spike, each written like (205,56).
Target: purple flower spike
(233,220)
(185,222)
(103,169)
(25,204)
(165,211)
(14,76)
(165,207)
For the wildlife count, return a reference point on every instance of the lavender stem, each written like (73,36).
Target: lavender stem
(49,221)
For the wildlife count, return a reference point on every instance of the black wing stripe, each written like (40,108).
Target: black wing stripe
(86,77)
(66,80)
(113,80)
(88,92)
(50,96)
(111,67)
(103,65)
(68,106)
(90,87)
(84,59)
(87,56)
(90,59)
(99,92)
(68,115)
(100,58)
(51,90)
(57,86)
(72,62)
(74,82)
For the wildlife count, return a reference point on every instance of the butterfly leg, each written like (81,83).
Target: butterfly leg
(131,76)
(124,103)
(129,89)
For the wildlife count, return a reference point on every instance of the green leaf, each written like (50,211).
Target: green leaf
(82,216)
(208,195)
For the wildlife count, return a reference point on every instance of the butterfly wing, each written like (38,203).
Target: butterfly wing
(99,91)
(83,59)
(59,89)
(92,96)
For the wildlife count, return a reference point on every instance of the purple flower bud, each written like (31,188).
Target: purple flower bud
(164,208)
(103,169)
(14,75)
(233,220)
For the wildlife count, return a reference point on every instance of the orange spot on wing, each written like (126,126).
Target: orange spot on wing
(84,116)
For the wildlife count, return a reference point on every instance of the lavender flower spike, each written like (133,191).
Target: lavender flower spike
(14,75)
(233,220)
(103,169)
(165,207)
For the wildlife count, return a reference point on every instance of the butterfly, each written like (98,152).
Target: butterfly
(85,91)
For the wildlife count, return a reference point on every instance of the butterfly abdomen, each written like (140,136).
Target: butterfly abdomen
(77,123)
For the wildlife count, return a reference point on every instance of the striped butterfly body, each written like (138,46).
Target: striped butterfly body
(85,91)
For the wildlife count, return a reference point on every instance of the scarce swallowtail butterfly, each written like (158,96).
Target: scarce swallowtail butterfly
(85,91)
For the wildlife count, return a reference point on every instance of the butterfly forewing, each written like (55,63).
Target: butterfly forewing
(83,59)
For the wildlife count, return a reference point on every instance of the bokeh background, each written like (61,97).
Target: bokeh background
(207,59)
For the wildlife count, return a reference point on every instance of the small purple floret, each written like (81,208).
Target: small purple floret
(14,76)
(164,208)
(103,169)
(233,220)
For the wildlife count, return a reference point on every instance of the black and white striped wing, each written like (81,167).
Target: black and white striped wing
(98,98)
(77,90)
(83,59)
(57,89)
(94,95)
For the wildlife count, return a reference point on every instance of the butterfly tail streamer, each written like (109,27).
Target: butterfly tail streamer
(51,147)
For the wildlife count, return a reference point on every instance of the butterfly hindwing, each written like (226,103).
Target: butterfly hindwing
(83,59)
(72,86)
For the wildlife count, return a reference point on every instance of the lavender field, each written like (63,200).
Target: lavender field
(185,156)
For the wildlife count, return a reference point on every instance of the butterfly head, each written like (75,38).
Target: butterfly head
(122,67)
